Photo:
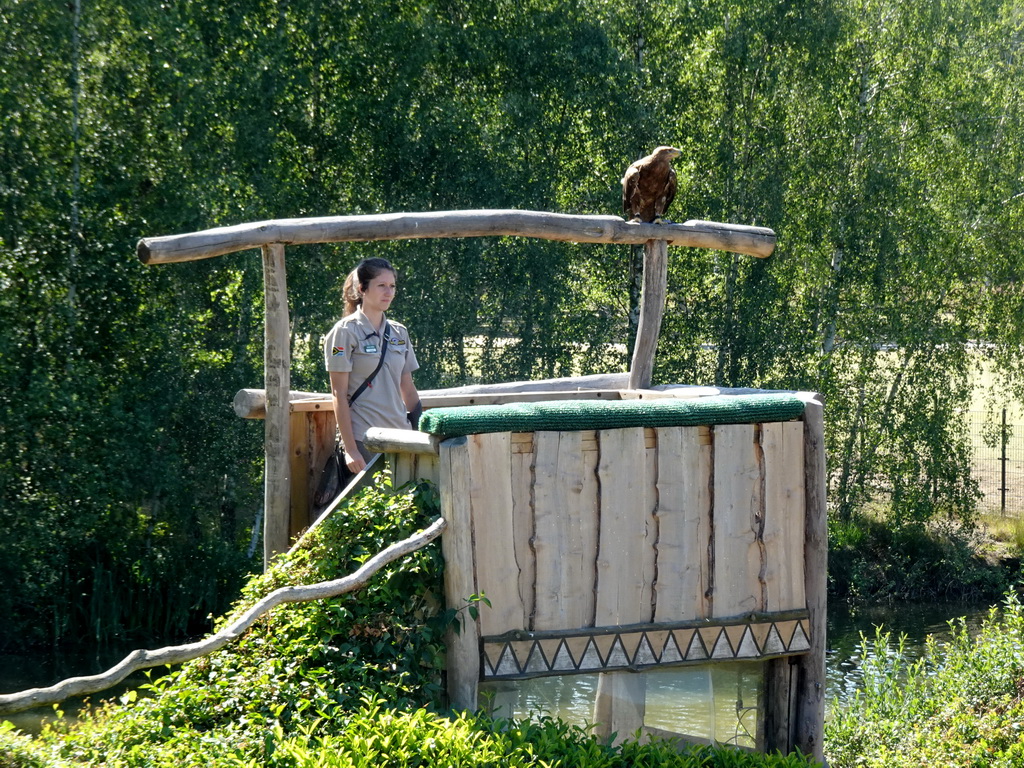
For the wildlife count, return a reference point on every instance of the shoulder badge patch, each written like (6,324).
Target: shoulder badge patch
(337,351)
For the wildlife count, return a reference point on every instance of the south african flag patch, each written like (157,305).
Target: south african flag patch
(335,351)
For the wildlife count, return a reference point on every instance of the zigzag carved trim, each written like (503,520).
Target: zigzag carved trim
(521,655)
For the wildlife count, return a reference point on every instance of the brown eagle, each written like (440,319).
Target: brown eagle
(649,185)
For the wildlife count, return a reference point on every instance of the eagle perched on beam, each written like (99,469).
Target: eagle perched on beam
(649,185)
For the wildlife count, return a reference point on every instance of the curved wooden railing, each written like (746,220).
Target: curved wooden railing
(143,659)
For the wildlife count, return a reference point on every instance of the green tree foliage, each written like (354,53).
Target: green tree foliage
(881,140)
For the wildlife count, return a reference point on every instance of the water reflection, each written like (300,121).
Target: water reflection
(21,671)
(710,702)
(717,702)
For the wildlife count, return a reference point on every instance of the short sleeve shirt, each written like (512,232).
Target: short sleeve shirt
(354,346)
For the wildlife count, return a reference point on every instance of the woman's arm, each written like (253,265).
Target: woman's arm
(339,396)
(410,396)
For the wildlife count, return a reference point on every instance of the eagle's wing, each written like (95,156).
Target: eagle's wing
(670,187)
(629,182)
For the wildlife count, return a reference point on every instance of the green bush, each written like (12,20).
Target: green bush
(870,561)
(961,704)
(377,737)
(353,680)
(16,750)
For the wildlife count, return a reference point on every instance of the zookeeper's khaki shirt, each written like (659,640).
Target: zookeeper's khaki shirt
(354,346)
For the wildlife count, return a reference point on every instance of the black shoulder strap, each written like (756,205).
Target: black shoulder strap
(380,364)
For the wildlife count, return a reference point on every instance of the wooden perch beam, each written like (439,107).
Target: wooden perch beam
(143,659)
(751,241)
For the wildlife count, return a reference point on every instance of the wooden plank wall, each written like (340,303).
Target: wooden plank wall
(572,530)
(311,442)
(413,466)
(626,526)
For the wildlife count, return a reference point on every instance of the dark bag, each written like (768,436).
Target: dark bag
(335,477)
(414,416)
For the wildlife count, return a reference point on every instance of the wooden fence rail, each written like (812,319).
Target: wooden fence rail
(178,654)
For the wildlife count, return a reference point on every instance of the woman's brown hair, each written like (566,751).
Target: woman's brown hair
(359,278)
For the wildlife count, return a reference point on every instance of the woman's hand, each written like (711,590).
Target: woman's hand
(355,463)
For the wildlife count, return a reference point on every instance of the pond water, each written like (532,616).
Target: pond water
(916,621)
(667,689)
(35,670)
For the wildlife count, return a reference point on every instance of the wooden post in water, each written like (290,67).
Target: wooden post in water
(277,374)
(810,688)
(652,307)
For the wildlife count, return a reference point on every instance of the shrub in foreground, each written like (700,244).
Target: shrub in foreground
(351,681)
(378,738)
(960,704)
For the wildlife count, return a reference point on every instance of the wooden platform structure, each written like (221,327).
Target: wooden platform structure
(272,236)
(619,551)
(614,552)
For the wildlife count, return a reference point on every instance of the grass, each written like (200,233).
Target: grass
(1003,536)
(871,562)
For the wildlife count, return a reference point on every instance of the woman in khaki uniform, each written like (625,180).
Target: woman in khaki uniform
(352,352)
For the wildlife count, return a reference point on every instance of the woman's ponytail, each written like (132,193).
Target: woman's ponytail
(350,293)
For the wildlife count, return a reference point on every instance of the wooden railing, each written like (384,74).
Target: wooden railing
(178,654)
(272,236)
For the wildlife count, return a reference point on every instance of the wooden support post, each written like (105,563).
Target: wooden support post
(459,582)
(811,685)
(652,307)
(784,525)
(277,373)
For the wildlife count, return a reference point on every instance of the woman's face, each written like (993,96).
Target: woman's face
(378,295)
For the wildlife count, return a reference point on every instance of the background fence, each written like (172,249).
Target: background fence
(998,465)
